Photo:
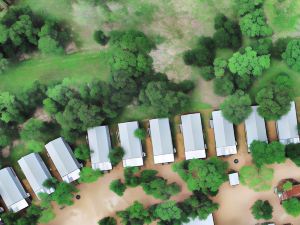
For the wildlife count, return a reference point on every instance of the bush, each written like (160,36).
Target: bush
(287,186)
(118,187)
(116,155)
(100,37)
(82,152)
(89,175)
(223,86)
(262,210)
(207,72)
(292,206)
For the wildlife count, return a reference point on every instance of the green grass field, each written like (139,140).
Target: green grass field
(79,66)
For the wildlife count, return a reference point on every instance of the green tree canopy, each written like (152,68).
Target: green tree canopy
(134,214)
(118,187)
(64,194)
(237,107)
(245,6)
(140,133)
(293,152)
(89,175)
(168,211)
(292,206)
(292,54)
(262,210)
(116,155)
(107,221)
(82,152)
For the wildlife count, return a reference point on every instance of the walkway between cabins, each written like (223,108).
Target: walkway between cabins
(98,201)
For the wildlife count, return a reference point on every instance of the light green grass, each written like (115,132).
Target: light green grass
(80,67)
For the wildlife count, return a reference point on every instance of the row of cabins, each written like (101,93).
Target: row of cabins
(36,172)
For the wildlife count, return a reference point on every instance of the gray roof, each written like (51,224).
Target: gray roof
(208,221)
(11,189)
(287,127)
(192,132)
(161,136)
(62,156)
(255,127)
(100,145)
(224,133)
(129,142)
(36,172)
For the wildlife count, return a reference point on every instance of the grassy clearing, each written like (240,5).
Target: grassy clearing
(80,67)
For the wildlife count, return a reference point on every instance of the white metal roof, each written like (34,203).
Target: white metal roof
(100,145)
(234,179)
(12,191)
(224,135)
(36,172)
(161,140)
(287,127)
(64,160)
(255,127)
(131,144)
(193,136)
(208,221)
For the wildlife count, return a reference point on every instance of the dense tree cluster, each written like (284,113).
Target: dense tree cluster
(292,54)
(293,152)
(262,210)
(275,97)
(237,107)
(32,216)
(203,175)
(263,153)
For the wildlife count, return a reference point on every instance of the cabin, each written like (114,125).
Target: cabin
(161,139)
(287,127)
(36,173)
(12,191)
(64,160)
(208,221)
(255,127)
(100,145)
(234,179)
(191,128)
(131,145)
(224,135)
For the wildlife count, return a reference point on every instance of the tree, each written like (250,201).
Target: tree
(10,108)
(82,152)
(292,206)
(3,63)
(223,86)
(168,211)
(248,63)
(48,45)
(206,176)
(237,107)
(287,186)
(263,153)
(253,24)
(64,194)
(135,214)
(274,99)
(140,134)
(292,54)
(50,183)
(220,66)
(262,46)
(118,187)
(116,155)
(207,72)
(89,175)
(262,210)
(279,47)
(100,37)
(131,179)
(107,221)
(245,6)
(293,152)
(46,215)
(258,179)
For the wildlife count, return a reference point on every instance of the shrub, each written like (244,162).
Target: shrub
(292,206)
(118,187)
(100,37)
(262,210)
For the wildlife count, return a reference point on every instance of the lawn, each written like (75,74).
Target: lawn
(82,66)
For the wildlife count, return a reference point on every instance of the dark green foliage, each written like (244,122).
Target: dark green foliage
(140,133)
(50,183)
(89,175)
(223,86)
(100,37)
(292,54)
(293,152)
(262,46)
(207,72)
(274,99)
(3,63)
(203,175)
(107,221)
(237,107)
(8,132)
(220,67)
(246,6)
(82,152)
(292,206)
(228,33)
(135,214)
(262,210)
(164,98)
(131,180)
(64,194)
(118,187)
(116,155)
(10,108)
(263,153)
(279,47)
(168,211)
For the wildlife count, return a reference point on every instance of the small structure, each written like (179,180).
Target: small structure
(287,127)
(131,144)
(12,191)
(64,160)
(294,192)
(224,135)
(100,145)
(161,139)
(234,179)
(255,127)
(208,221)
(36,172)
(193,136)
